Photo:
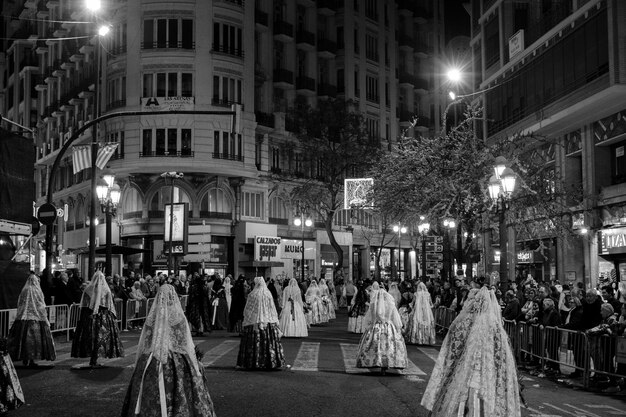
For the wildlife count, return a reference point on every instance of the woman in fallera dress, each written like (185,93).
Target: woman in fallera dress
(11,395)
(30,338)
(357,312)
(97,333)
(219,305)
(420,328)
(168,379)
(227,290)
(382,345)
(198,306)
(475,373)
(292,319)
(395,293)
(260,346)
(317,312)
(327,302)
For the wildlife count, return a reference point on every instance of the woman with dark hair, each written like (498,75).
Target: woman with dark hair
(198,309)
(237,304)
(219,305)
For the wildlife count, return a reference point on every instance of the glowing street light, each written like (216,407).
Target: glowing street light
(93,5)
(454,75)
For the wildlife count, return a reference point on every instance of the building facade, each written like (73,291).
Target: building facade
(204,56)
(557,69)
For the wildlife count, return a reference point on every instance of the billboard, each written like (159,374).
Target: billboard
(176,220)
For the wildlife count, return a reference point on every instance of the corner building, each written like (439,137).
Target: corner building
(205,56)
(557,69)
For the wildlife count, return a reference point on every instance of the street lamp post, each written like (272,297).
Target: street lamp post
(171,175)
(423,229)
(109,194)
(449,224)
(501,187)
(399,230)
(302,222)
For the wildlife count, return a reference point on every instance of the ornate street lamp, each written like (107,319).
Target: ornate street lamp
(423,229)
(399,230)
(302,222)
(449,224)
(109,194)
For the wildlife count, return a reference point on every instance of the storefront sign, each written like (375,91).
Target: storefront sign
(578,221)
(612,241)
(292,249)
(267,248)
(525,257)
(516,43)
(167,103)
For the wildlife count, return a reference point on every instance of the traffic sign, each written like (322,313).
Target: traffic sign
(60,212)
(434,239)
(47,213)
(436,265)
(434,248)
(434,256)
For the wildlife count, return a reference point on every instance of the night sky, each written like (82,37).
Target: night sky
(457,20)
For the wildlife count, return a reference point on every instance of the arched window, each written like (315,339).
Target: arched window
(80,213)
(71,215)
(277,208)
(133,205)
(216,203)
(162,197)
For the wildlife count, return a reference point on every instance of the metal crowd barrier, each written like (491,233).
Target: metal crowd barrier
(183,301)
(444,316)
(6,320)
(58,316)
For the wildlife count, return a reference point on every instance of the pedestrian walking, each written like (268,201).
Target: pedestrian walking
(198,308)
(97,333)
(260,346)
(382,345)
(357,312)
(29,337)
(420,327)
(168,379)
(238,303)
(318,312)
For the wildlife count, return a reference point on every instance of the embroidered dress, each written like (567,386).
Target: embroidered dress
(382,345)
(395,293)
(97,333)
(260,346)
(327,302)
(420,328)
(475,373)
(11,395)
(30,338)
(313,297)
(357,313)
(168,379)
(292,320)
(227,290)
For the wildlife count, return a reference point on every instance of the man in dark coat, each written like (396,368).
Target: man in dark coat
(513,308)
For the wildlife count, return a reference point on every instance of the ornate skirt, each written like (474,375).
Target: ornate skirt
(419,333)
(404,312)
(31,340)
(318,312)
(329,308)
(261,348)
(358,324)
(177,388)
(382,346)
(293,321)
(96,335)
(11,395)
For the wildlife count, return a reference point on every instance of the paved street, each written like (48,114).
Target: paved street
(321,381)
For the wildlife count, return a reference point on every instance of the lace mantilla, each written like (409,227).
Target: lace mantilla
(260,306)
(98,294)
(31,304)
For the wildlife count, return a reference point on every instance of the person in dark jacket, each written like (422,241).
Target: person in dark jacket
(551,318)
(575,321)
(237,305)
(513,308)
(592,306)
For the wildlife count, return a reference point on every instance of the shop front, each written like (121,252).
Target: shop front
(536,258)
(612,255)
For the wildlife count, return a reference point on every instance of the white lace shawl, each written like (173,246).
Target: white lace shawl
(31,304)
(97,294)
(312,292)
(423,306)
(166,329)
(227,286)
(324,291)
(383,309)
(260,306)
(292,291)
(475,361)
(395,292)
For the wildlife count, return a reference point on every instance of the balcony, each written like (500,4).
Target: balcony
(115,104)
(215,215)
(326,48)
(421,50)
(276,220)
(305,38)
(283,31)
(407,79)
(283,78)
(405,115)
(216,101)
(420,83)
(326,90)
(225,49)
(165,154)
(260,18)
(423,122)
(227,156)
(327,7)
(406,42)
(264,119)
(304,84)
(406,7)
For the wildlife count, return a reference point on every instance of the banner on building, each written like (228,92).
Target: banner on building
(176,220)
(267,248)
(292,249)
(167,103)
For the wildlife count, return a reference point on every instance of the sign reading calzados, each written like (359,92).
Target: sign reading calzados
(167,103)
(267,248)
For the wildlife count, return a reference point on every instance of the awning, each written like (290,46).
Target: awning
(260,264)
(121,250)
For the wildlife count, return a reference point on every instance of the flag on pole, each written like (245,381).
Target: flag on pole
(81,157)
(104,154)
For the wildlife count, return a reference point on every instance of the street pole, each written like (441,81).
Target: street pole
(504,267)
(399,249)
(92,209)
(169,257)
(424,254)
(109,248)
(302,265)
